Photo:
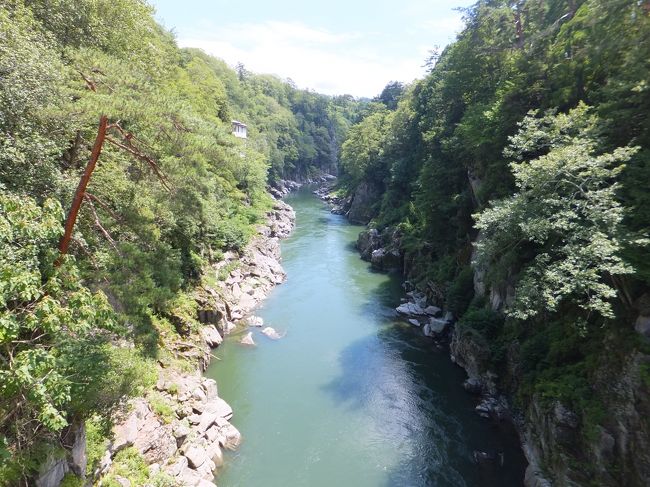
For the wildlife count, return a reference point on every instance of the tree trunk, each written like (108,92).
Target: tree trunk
(81,188)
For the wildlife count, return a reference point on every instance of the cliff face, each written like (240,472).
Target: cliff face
(607,445)
(566,447)
(362,206)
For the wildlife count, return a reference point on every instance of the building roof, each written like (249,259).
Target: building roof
(237,122)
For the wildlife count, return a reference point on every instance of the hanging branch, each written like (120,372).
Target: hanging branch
(128,146)
(103,204)
(98,224)
(81,188)
(90,84)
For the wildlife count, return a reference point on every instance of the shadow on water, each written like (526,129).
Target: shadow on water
(413,392)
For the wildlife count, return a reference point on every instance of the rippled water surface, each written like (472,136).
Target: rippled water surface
(350,396)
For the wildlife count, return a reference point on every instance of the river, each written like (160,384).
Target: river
(350,396)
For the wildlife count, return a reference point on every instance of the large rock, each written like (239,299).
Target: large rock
(126,432)
(493,407)
(177,467)
(189,477)
(210,388)
(247,339)
(362,209)
(78,457)
(215,454)
(231,437)
(271,333)
(384,259)
(432,310)
(211,336)
(196,456)
(220,407)
(435,327)
(155,441)
(367,242)
(52,472)
(255,321)
(410,309)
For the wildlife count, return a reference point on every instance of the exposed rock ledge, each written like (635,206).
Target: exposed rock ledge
(188,445)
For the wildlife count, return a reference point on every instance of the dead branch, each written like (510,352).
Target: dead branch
(98,224)
(105,206)
(90,84)
(143,157)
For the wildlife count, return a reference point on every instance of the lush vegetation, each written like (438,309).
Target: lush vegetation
(172,190)
(523,154)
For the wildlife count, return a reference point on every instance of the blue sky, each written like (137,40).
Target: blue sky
(332,47)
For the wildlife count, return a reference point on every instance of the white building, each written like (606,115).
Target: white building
(239,129)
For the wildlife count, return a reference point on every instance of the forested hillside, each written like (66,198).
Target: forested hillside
(513,182)
(171,191)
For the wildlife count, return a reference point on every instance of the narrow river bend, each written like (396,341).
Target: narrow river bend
(350,396)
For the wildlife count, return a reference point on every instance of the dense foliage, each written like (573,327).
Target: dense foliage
(172,190)
(524,155)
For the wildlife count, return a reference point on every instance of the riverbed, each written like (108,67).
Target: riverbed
(351,396)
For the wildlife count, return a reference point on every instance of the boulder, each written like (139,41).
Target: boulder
(176,468)
(155,441)
(271,333)
(231,437)
(180,432)
(256,321)
(228,327)
(410,309)
(219,407)
(418,298)
(215,454)
(211,336)
(210,387)
(414,322)
(199,395)
(125,433)
(196,456)
(493,407)
(189,477)
(248,339)
(122,481)
(207,419)
(432,310)
(205,470)
(490,460)
(435,327)
(367,242)
(384,259)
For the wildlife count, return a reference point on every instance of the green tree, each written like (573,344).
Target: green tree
(565,212)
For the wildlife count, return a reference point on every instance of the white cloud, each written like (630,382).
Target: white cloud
(328,62)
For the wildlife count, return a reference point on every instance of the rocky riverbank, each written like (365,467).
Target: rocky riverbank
(181,428)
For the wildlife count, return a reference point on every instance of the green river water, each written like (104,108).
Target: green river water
(350,396)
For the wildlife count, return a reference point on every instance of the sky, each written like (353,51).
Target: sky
(333,47)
